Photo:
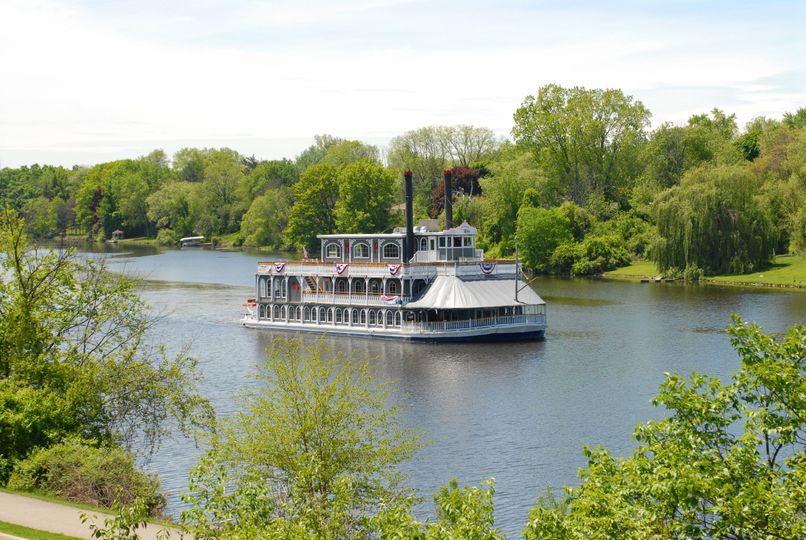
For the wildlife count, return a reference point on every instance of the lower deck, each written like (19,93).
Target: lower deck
(496,324)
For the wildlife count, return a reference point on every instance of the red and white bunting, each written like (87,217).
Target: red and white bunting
(393,268)
(279,267)
(341,267)
(487,267)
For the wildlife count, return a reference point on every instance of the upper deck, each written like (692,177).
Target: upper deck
(454,244)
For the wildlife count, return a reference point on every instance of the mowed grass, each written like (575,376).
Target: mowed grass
(786,270)
(31,534)
(637,269)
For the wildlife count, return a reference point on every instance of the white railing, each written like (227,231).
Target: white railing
(355,299)
(447,326)
(423,269)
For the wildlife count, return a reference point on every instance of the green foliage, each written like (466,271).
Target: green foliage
(728,462)
(464,513)
(429,150)
(124,524)
(315,448)
(75,358)
(714,221)
(366,192)
(585,139)
(169,208)
(80,471)
(265,222)
(540,232)
(503,194)
(269,175)
(315,196)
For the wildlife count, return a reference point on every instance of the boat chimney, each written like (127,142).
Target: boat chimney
(410,247)
(447,174)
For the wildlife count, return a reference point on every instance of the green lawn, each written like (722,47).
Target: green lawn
(637,269)
(786,270)
(31,534)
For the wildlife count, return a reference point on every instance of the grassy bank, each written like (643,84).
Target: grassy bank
(786,271)
(31,534)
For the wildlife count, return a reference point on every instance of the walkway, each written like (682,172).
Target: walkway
(58,518)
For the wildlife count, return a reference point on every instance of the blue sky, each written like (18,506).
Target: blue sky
(85,82)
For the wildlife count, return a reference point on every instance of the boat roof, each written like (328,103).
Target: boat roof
(185,239)
(452,292)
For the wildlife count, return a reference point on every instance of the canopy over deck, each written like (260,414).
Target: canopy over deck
(451,292)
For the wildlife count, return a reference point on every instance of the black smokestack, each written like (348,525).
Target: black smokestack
(448,200)
(409,216)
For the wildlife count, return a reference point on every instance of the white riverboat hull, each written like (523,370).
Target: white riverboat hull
(527,330)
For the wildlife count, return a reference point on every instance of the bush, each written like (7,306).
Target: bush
(166,237)
(76,471)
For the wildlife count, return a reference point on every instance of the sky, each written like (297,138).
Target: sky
(83,82)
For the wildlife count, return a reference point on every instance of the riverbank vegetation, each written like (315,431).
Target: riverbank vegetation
(83,391)
(585,185)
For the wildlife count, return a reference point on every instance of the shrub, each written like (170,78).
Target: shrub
(77,471)
(166,237)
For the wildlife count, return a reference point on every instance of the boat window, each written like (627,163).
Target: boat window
(433,244)
(333,251)
(393,287)
(363,316)
(389,318)
(423,244)
(354,318)
(374,286)
(338,316)
(441,241)
(372,318)
(341,285)
(457,241)
(397,319)
(361,251)
(359,285)
(468,241)
(306,314)
(391,251)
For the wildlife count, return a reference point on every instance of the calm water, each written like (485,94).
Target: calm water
(516,412)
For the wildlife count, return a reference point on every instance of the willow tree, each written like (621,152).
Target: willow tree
(714,221)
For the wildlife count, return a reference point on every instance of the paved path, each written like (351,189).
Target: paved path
(58,518)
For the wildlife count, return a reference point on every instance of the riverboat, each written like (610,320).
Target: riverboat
(417,283)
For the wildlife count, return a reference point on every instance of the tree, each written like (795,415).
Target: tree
(540,232)
(430,150)
(76,359)
(586,139)
(169,207)
(728,462)
(464,181)
(315,196)
(366,192)
(189,164)
(314,450)
(316,153)
(510,177)
(713,221)
(269,175)
(265,222)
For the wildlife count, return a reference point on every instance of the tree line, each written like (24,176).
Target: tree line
(583,186)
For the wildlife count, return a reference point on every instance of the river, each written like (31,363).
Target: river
(517,412)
